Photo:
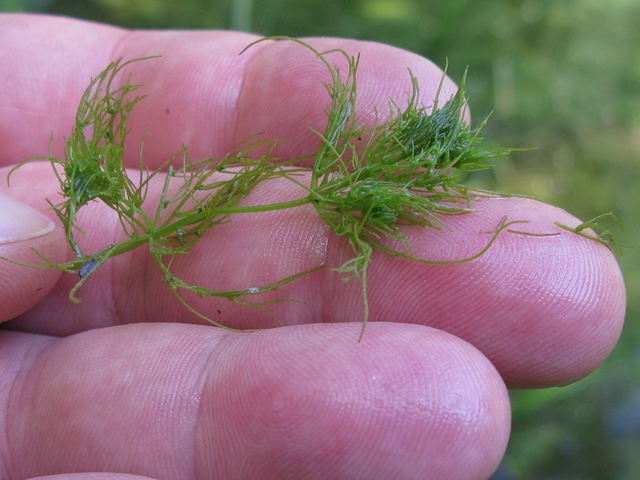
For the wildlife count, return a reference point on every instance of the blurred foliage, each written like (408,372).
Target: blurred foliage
(562,76)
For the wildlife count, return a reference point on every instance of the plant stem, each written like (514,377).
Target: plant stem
(225,211)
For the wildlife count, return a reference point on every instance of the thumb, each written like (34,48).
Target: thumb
(23,232)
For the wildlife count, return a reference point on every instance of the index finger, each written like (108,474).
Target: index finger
(201,92)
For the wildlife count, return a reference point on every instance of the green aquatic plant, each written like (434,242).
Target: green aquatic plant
(592,230)
(209,190)
(367,182)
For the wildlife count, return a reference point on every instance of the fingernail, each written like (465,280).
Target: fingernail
(21,222)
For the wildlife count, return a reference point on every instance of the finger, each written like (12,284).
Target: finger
(545,310)
(201,92)
(23,229)
(92,476)
(178,401)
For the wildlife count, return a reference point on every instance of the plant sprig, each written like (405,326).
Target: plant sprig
(209,190)
(367,182)
(601,234)
(405,174)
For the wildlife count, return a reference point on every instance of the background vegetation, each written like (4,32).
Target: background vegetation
(559,75)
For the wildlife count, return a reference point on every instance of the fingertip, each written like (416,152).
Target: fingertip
(576,302)
(545,305)
(26,237)
(405,402)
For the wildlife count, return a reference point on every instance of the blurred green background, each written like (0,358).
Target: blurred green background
(559,75)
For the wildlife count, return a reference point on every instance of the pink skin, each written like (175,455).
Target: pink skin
(422,395)
(92,476)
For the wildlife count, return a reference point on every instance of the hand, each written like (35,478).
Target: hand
(128,381)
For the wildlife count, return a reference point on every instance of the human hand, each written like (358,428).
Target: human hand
(125,382)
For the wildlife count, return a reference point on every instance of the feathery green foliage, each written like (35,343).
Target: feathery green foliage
(600,234)
(404,174)
(209,190)
(366,182)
